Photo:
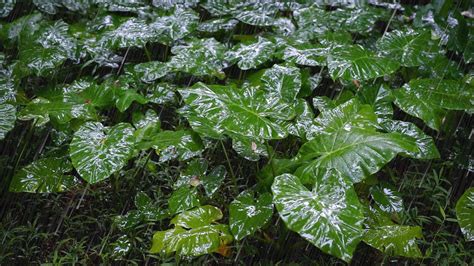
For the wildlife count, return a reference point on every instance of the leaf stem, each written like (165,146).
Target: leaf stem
(234,180)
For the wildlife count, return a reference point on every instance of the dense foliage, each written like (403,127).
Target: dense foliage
(236,132)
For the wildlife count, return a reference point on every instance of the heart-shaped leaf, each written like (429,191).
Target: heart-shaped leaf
(182,199)
(465,214)
(247,215)
(7,119)
(356,153)
(44,176)
(197,217)
(170,145)
(246,111)
(330,216)
(395,240)
(428,99)
(387,199)
(251,55)
(97,151)
(411,48)
(356,63)
(175,26)
(199,57)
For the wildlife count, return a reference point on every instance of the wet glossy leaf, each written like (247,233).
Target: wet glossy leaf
(330,215)
(197,217)
(428,99)
(182,199)
(42,52)
(356,153)
(161,93)
(7,119)
(45,175)
(250,149)
(251,55)
(181,144)
(247,214)
(395,240)
(146,125)
(344,117)
(283,82)
(425,143)
(132,32)
(97,151)
(379,97)
(246,111)
(410,48)
(125,98)
(256,13)
(303,123)
(7,8)
(150,71)
(194,242)
(193,173)
(305,54)
(218,24)
(213,181)
(356,63)
(387,199)
(199,57)
(465,214)
(176,25)
(202,238)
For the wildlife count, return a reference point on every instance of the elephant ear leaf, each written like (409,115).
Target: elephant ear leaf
(7,118)
(247,214)
(329,216)
(97,151)
(251,55)
(44,176)
(194,234)
(395,240)
(430,99)
(465,214)
(409,47)
(353,62)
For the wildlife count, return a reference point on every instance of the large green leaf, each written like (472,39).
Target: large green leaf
(256,13)
(426,146)
(194,242)
(44,176)
(251,55)
(356,153)
(465,214)
(346,116)
(182,199)
(428,99)
(330,215)
(395,240)
(387,199)
(213,181)
(283,82)
(305,54)
(410,48)
(202,238)
(97,151)
(181,144)
(357,63)
(131,32)
(7,7)
(175,26)
(247,215)
(146,125)
(7,119)
(248,111)
(150,71)
(197,217)
(199,57)
(217,24)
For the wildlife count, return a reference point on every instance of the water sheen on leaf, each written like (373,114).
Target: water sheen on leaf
(428,99)
(329,216)
(44,176)
(357,63)
(395,240)
(247,214)
(251,55)
(97,151)
(465,214)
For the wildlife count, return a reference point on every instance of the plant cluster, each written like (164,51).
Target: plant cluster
(235,121)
